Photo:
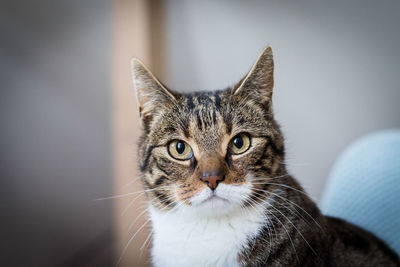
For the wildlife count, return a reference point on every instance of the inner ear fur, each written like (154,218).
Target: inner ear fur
(151,94)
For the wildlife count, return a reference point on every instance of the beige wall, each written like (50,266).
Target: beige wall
(137,32)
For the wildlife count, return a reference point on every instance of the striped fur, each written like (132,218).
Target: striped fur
(287,228)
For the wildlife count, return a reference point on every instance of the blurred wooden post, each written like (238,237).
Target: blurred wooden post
(137,24)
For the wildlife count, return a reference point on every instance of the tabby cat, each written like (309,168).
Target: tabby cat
(213,169)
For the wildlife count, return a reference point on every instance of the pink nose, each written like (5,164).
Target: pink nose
(212,181)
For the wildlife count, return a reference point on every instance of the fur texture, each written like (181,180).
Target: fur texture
(214,206)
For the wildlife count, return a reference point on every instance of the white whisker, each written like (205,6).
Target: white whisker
(293,203)
(290,238)
(130,240)
(130,204)
(283,185)
(292,225)
(134,193)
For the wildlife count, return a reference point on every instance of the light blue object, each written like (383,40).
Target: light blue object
(364,186)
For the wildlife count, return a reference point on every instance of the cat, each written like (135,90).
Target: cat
(219,194)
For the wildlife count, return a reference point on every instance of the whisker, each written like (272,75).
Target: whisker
(145,241)
(130,204)
(269,224)
(262,215)
(283,185)
(136,218)
(291,241)
(267,178)
(293,226)
(130,240)
(293,203)
(134,193)
(145,210)
(291,209)
(139,229)
(131,182)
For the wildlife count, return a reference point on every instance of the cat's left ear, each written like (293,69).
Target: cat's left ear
(152,96)
(259,82)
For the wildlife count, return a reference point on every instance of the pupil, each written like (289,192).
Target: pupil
(238,142)
(180,147)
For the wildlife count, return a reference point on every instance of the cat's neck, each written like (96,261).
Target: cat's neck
(210,241)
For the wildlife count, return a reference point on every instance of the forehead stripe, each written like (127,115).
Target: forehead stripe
(189,102)
(198,119)
(217,102)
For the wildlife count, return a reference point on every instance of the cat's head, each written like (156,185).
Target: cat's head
(209,152)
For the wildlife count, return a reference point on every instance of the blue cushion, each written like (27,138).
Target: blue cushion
(364,186)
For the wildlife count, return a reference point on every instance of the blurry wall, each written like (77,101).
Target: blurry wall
(337,67)
(55,129)
(133,31)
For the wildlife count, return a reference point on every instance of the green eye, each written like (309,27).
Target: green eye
(239,144)
(180,150)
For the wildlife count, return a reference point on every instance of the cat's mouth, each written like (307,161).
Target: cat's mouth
(214,197)
(207,197)
(221,201)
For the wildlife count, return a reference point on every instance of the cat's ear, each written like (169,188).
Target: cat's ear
(259,82)
(151,95)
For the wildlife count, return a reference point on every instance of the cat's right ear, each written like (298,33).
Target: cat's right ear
(151,95)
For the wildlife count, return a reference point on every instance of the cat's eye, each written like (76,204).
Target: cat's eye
(239,144)
(180,150)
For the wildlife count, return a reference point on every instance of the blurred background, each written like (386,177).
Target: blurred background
(69,122)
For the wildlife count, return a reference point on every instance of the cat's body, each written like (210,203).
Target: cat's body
(243,240)
(220,195)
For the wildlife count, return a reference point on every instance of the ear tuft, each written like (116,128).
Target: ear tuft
(260,80)
(151,95)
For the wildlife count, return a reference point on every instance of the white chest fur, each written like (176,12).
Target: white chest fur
(180,239)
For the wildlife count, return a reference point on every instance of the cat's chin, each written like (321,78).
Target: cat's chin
(213,207)
(225,200)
